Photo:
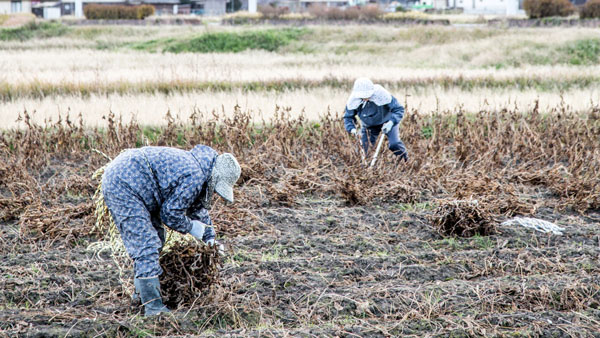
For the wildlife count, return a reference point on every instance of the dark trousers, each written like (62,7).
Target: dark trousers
(394,143)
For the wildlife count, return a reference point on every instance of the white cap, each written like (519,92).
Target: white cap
(226,172)
(363,88)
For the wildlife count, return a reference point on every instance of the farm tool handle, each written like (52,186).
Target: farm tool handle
(363,156)
(381,137)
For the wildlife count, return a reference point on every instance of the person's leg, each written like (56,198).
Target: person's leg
(395,144)
(143,244)
(160,230)
(374,134)
(141,240)
(364,137)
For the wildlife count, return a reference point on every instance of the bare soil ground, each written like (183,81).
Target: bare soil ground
(323,268)
(316,244)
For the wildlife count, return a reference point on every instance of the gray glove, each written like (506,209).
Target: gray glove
(209,235)
(353,131)
(198,229)
(206,234)
(220,247)
(387,127)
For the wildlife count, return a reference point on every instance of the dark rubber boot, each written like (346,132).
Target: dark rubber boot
(148,288)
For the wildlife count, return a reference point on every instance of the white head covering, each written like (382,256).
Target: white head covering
(363,88)
(378,94)
(225,173)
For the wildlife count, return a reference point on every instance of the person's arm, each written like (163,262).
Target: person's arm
(202,216)
(350,119)
(202,227)
(396,110)
(173,210)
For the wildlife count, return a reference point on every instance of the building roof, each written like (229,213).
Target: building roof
(156,2)
(101,1)
(46,4)
(323,0)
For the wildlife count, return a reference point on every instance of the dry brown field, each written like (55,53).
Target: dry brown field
(499,124)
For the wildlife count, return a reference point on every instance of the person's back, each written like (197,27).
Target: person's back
(153,173)
(172,166)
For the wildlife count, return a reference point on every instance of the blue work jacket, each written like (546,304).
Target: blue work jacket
(373,115)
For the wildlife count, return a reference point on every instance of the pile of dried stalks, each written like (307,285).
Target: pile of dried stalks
(462,218)
(189,269)
(512,161)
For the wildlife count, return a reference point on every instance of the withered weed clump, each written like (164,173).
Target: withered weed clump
(462,218)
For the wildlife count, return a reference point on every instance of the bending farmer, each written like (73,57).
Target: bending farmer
(146,187)
(378,112)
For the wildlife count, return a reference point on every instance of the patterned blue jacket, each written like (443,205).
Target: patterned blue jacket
(168,181)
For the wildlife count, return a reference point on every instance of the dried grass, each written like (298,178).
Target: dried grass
(462,218)
(500,159)
(148,109)
(189,271)
(23,74)
(512,162)
(83,70)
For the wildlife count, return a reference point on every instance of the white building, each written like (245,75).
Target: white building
(497,7)
(436,4)
(15,6)
(492,7)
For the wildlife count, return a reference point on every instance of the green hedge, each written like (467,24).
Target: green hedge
(116,12)
(33,30)
(269,39)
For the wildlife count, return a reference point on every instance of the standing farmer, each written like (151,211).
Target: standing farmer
(378,112)
(146,187)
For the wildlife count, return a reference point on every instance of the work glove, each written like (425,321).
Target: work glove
(209,235)
(198,229)
(206,234)
(353,131)
(203,232)
(209,238)
(387,127)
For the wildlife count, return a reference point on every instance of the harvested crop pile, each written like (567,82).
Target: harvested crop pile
(188,269)
(463,218)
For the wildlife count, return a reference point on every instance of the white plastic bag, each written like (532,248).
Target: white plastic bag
(535,224)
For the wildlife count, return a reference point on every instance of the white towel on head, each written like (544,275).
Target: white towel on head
(380,97)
